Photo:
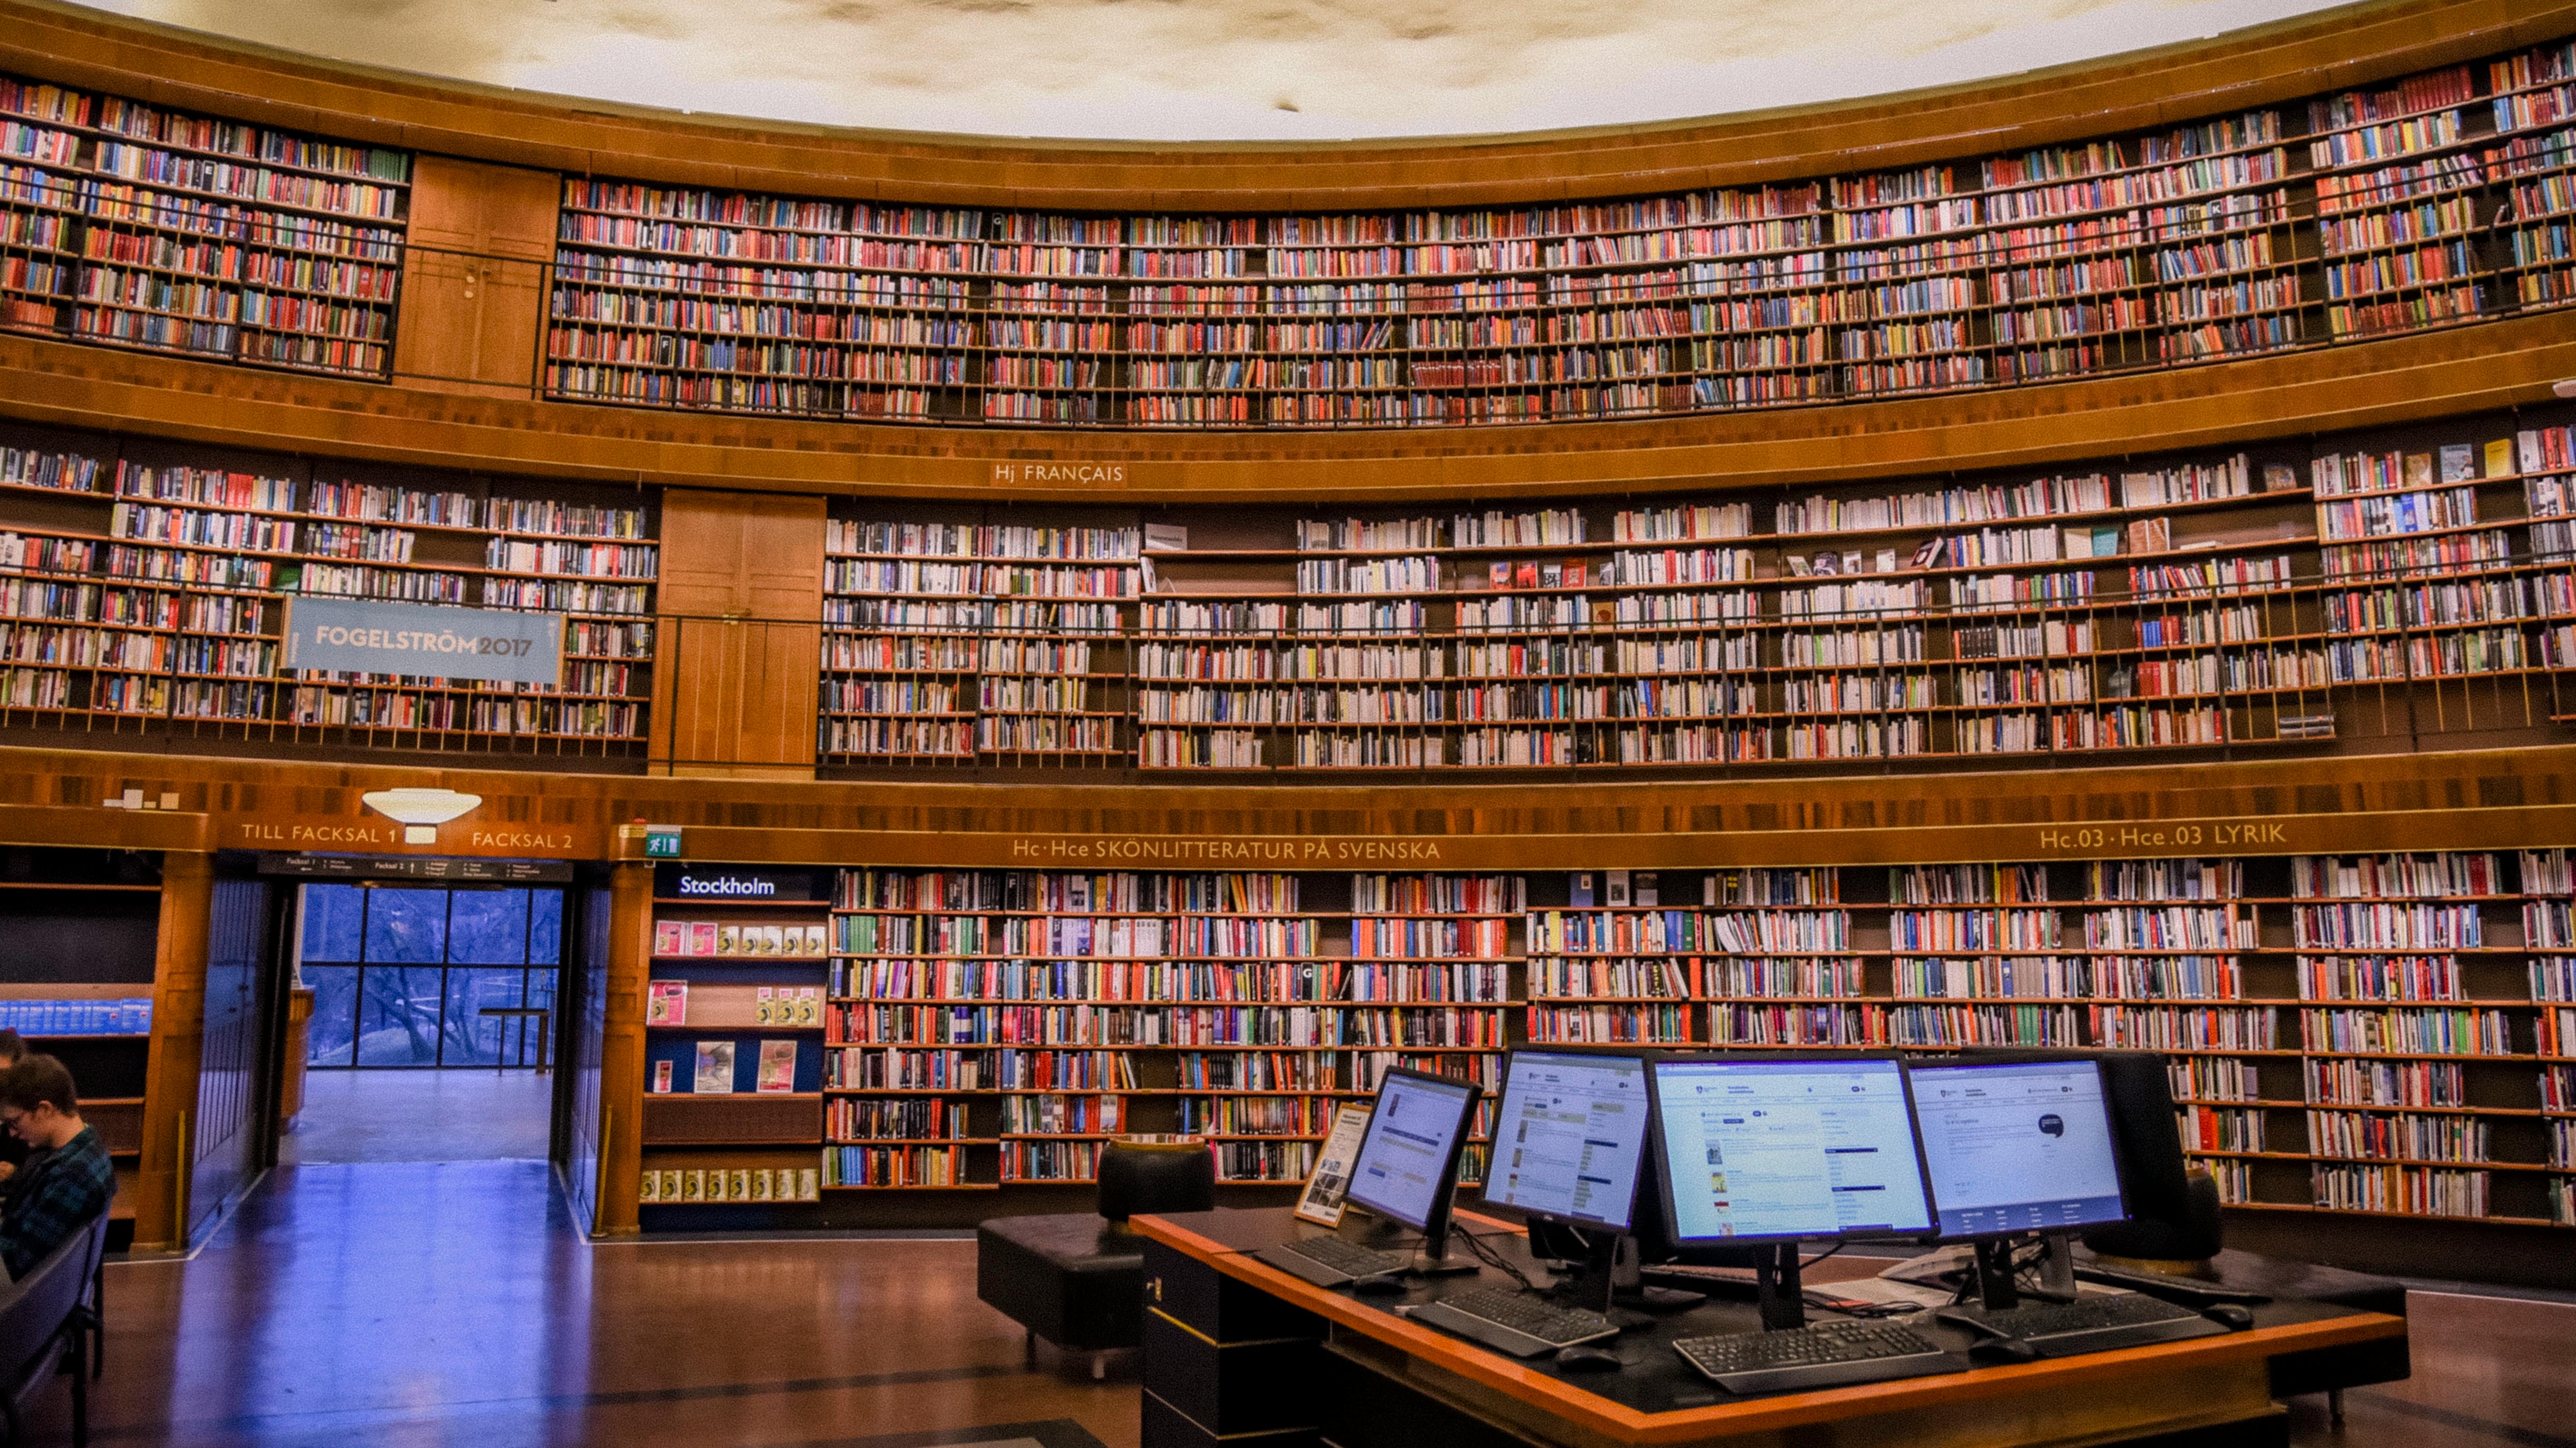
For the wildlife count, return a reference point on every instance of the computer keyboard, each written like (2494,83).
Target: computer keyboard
(1330,1261)
(1824,1355)
(1514,1322)
(2088,1324)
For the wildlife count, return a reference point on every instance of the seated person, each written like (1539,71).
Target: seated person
(13,1049)
(66,1179)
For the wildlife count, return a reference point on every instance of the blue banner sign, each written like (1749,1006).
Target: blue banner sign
(360,635)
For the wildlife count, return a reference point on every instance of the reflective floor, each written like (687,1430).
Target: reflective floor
(406,1304)
(426,1114)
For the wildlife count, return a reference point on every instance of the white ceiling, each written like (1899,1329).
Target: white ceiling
(1152,70)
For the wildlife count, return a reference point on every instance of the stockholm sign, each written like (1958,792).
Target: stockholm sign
(357,635)
(737,882)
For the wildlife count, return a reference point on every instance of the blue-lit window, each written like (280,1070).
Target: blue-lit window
(402,974)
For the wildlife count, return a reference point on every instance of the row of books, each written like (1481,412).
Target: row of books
(127,1016)
(1914,247)
(721,939)
(188,230)
(1317,981)
(668,1186)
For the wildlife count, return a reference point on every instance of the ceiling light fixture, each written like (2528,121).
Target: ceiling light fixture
(421,811)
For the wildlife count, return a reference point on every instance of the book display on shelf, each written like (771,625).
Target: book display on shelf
(137,226)
(148,581)
(734,1061)
(1033,1015)
(2441,198)
(959,641)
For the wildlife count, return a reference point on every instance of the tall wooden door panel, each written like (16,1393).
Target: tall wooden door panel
(474,284)
(741,650)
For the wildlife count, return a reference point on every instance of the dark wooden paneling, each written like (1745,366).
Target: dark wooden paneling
(295,804)
(178,1040)
(628,965)
(2441,374)
(474,279)
(743,1120)
(2245,68)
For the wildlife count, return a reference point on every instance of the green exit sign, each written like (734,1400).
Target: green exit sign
(662,842)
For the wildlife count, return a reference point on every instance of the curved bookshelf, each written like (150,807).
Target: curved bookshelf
(2439,200)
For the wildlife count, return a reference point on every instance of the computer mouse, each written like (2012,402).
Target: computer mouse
(1384,1284)
(1581,1359)
(2003,1350)
(2229,1315)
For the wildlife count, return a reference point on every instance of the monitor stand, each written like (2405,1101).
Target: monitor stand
(1776,1288)
(1433,1260)
(1597,1286)
(2057,1268)
(1628,1282)
(1994,1271)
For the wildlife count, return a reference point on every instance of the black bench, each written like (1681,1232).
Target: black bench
(1075,1280)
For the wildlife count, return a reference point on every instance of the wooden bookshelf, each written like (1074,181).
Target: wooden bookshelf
(144,581)
(2359,214)
(2386,983)
(959,640)
(1068,1009)
(735,979)
(2346,1034)
(137,226)
(2213,601)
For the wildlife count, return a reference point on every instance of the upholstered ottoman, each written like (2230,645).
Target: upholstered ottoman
(1071,1279)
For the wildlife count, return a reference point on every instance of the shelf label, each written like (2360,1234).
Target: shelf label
(424,640)
(1088,475)
(748,884)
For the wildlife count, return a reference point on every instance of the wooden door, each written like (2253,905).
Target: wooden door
(736,688)
(474,283)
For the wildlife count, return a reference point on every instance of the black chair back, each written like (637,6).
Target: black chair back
(37,1305)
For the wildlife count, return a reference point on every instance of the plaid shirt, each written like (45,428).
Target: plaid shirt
(53,1195)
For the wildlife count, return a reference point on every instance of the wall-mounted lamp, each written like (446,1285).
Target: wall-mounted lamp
(421,811)
(2564,387)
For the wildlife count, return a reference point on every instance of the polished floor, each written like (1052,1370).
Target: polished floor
(408,1304)
(459,1114)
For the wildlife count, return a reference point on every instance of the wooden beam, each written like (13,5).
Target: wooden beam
(176,1050)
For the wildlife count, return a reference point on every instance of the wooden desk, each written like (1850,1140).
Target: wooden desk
(1239,1351)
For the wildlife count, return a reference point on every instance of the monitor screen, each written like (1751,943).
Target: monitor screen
(1406,1161)
(1774,1150)
(1569,1137)
(2019,1146)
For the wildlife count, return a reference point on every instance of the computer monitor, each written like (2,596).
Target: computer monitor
(1767,1150)
(1407,1167)
(1570,1137)
(2017,1146)
(2171,1214)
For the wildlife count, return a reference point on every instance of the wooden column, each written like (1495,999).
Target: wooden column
(474,282)
(177,1049)
(739,657)
(621,1050)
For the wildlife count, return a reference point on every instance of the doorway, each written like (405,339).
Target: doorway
(432,1021)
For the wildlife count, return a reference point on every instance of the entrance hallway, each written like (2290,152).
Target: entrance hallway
(423,1114)
(404,1305)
